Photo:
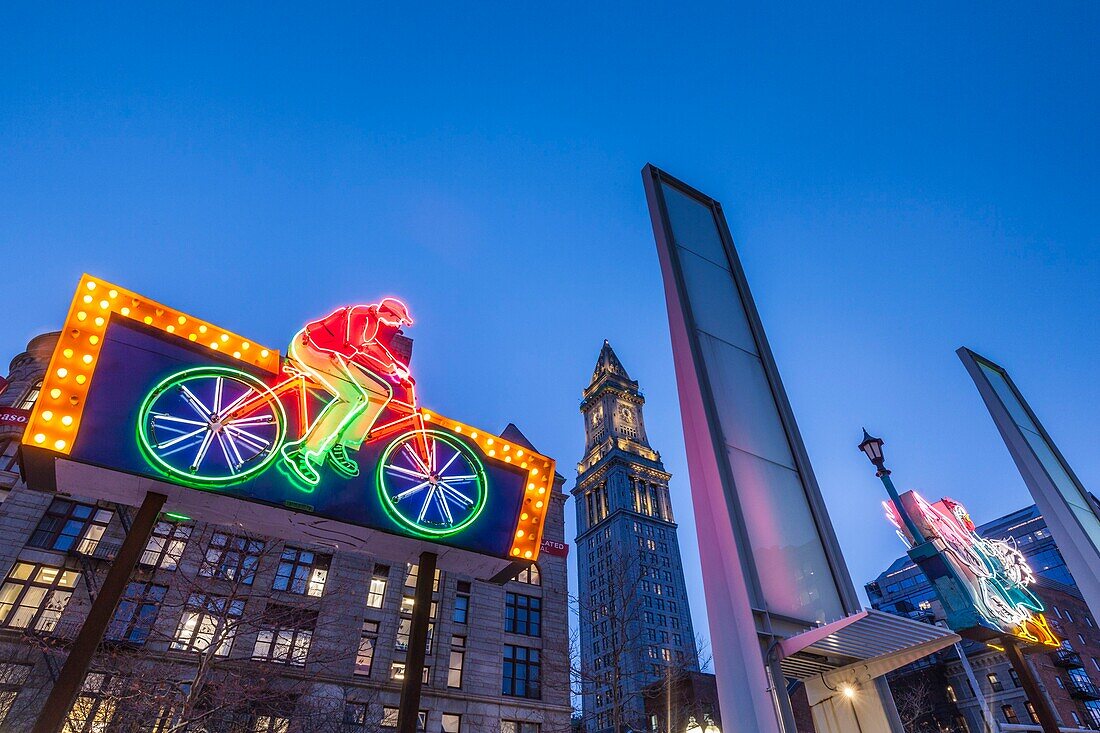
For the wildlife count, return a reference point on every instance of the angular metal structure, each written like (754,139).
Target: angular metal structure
(770,559)
(1070,511)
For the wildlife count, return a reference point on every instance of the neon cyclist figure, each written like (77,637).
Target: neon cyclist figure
(349,353)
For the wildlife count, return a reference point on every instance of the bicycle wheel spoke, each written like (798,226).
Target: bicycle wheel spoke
(229,409)
(225,452)
(409,492)
(233,446)
(218,384)
(426,504)
(165,417)
(447,465)
(446,509)
(250,439)
(181,438)
(406,472)
(255,420)
(195,402)
(416,459)
(458,495)
(460,479)
(182,446)
(203,450)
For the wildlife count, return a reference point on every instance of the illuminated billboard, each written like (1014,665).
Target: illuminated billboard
(331,436)
(989,590)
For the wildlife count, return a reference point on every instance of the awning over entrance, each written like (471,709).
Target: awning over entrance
(862,646)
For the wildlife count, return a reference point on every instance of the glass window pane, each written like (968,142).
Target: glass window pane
(715,304)
(693,226)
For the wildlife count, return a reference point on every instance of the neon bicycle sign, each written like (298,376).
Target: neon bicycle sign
(334,431)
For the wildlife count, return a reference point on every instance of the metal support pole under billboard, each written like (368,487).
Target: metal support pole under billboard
(71,677)
(408,710)
(1035,694)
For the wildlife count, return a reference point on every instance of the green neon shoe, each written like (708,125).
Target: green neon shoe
(300,464)
(338,458)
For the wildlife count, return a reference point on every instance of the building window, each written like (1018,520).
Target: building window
(93,708)
(530,575)
(397,672)
(389,718)
(12,678)
(411,571)
(285,635)
(1093,709)
(355,714)
(9,456)
(1068,615)
(452,723)
(462,603)
(368,640)
(404,628)
(961,726)
(68,524)
(994,682)
(518,726)
(166,545)
(1010,714)
(1031,712)
(522,672)
(458,657)
(208,621)
(33,596)
(302,571)
(269,724)
(136,613)
(230,557)
(1014,677)
(31,396)
(522,614)
(377,591)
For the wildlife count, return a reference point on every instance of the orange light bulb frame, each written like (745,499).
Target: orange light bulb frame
(55,420)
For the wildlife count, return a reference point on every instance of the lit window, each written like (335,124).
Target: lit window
(1010,714)
(411,571)
(397,672)
(302,571)
(232,558)
(31,396)
(368,640)
(951,694)
(136,613)
(518,726)
(166,545)
(34,596)
(269,724)
(1031,713)
(522,672)
(377,591)
(93,708)
(458,657)
(994,682)
(530,575)
(404,628)
(452,723)
(389,718)
(208,621)
(70,525)
(522,614)
(285,635)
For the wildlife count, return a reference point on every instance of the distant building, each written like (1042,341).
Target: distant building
(1068,675)
(325,629)
(635,619)
(671,704)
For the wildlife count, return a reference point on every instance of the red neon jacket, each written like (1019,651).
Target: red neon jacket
(357,333)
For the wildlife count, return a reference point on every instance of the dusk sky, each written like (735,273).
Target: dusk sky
(899,182)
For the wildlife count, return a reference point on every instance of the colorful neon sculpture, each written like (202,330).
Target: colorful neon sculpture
(997,574)
(217,426)
(248,406)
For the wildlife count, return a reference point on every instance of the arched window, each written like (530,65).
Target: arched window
(31,396)
(530,575)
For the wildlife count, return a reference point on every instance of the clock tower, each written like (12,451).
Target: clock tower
(625,527)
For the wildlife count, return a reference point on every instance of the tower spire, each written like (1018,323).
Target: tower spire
(608,363)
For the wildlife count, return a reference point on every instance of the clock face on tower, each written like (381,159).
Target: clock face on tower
(626,414)
(597,417)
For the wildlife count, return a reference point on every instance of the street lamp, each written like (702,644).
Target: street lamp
(693,726)
(709,725)
(872,448)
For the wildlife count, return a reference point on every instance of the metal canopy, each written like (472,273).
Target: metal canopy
(862,646)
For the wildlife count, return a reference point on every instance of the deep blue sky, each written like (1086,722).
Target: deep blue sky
(898,182)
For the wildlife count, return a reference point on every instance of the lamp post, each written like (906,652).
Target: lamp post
(872,448)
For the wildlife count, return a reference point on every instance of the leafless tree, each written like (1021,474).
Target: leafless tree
(236,660)
(913,699)
(621,667)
